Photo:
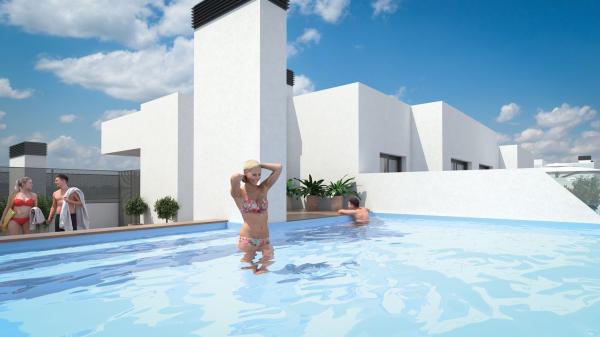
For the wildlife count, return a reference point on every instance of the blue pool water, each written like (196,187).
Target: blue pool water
(399,276)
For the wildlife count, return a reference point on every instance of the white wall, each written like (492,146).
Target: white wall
(328,123)
(28,161)
(384,127)
(240,99)
(523,194)
(514,156)
(102,215)
(160,134)
(426,137)
(468,140)
(441,133)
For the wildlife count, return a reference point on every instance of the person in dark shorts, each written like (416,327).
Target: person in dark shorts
(62,183)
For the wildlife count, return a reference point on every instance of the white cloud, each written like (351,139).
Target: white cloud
(587,144)
(131,75)
(596,124)
(291,50)
(384,7)
(303,85)
(3,127)
(553,139)
(125,22)
(66,119)
(7,91)
(310,35)
(508,112)
(502,138)
(176,19)
(329,10)
(399,93)
(528,135)
(7,141)
(111,114)
(65,151)
(565,115)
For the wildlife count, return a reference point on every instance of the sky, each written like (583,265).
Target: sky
(529,70)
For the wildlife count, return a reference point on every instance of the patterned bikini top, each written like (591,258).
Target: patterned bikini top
(252,206)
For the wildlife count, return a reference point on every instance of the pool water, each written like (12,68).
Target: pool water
(398,276)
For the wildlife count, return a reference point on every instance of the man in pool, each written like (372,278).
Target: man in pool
(360,214)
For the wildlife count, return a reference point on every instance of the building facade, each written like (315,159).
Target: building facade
(243,108)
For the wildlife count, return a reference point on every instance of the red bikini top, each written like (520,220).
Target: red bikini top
(24,202)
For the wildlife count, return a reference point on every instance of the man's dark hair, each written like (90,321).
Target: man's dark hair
(354,201)
(63,177)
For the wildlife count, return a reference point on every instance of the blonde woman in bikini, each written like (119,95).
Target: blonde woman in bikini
(251,200)
(21,203)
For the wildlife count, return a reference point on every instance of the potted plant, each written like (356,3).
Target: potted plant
(338,190)
(313,190)
(135,207)
(166,208)
(293,192)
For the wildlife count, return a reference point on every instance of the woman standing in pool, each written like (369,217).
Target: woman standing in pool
(251,200)
(20,203)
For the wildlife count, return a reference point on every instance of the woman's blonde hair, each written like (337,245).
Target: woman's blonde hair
(250,164)
(20,183)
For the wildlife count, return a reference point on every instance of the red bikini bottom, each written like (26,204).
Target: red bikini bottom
(20,221)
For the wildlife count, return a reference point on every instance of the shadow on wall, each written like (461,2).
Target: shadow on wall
(501,162)
(418,161)
(294,147)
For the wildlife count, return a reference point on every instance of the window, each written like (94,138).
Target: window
(459,165)
(484,167)
(390,163)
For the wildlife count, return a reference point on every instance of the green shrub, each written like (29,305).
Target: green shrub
(341,187)
(2,205)
(311,187)
(135,207)
(166,208)
(44,203)
(293,190)
(588,190)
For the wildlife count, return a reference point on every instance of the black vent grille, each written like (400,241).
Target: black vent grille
(208,10)
(28,148)
(290,78)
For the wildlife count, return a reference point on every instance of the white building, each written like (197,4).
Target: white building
(353,129)
(161,135)
(243,109)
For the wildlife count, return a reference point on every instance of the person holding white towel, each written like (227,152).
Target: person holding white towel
(66,202)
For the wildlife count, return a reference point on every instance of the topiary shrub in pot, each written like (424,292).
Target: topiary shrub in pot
(338,190)
(135,207)
(313,190)
(166,208)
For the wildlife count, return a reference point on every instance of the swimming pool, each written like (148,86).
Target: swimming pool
(399,276)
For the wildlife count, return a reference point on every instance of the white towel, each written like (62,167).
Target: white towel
(83,221)
(36,217)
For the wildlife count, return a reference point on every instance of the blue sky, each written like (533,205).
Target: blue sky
(527,69)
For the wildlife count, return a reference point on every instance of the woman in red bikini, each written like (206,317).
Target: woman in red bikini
(21,203)
(251,199)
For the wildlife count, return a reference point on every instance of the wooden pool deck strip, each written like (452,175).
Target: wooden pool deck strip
(291,216)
